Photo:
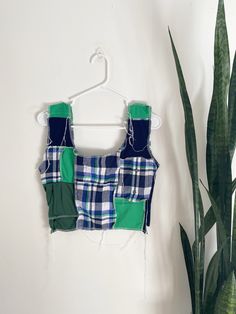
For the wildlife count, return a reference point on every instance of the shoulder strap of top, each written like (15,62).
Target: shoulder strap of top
(60,110)
(59,120)
(139,128)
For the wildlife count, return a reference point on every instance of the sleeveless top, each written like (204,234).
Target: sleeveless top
(111,191)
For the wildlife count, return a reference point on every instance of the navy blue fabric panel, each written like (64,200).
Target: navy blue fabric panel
(149,205)
(145,220)
(141,131)
(57,128)
(148,210)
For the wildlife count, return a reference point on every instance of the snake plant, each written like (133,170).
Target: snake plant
(213,290)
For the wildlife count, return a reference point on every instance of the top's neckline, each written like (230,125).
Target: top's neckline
(76,148)
(132,113)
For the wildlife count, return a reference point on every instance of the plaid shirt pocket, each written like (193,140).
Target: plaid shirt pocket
(136,177)
(50,166)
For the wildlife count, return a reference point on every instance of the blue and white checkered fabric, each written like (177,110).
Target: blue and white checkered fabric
(100,179)
(136,177)
(50,166)
(95,181)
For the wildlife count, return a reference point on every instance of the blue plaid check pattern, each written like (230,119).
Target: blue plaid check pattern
(95,181)
(50,167)
(136,178)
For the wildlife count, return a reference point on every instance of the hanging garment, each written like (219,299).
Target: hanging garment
(111,191)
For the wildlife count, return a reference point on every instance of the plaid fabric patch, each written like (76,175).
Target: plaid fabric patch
(136,178)
(50,167)
(95,181)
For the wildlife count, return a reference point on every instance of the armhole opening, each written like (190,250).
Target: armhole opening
(151,154)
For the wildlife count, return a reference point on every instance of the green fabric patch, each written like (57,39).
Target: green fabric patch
(139,111)
(62,223)
(62,211)
(67,164)
(130,214)
(60,110)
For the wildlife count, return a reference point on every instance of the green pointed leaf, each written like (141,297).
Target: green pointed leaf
(188,262)
(232,110)
(217,152)
(226,300)
(234,185)
(211,288)
(216,213)
(191,152)
(217,118)
(234,236)
(221,228)
(209,219)
(190,137)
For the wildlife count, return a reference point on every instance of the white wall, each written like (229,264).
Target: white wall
(45,46)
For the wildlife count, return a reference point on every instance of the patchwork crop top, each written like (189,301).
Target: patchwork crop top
(111,191)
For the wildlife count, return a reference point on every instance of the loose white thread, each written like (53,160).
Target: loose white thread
(49,141)
(121,246)
(128,240)
(101,240)
(133,139)
(65,129)
(145,270)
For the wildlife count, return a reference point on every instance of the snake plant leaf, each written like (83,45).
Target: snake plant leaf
(232,110)
(188,262)
(221,228)
(216,133)
(191,152)
(190,137)
(216,213)
(234,184)
(209,219)
(234,236)
(218,161)
(226,300)
(211,287)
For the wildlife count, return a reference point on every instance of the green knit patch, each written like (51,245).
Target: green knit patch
(139,111)
(62,211)
(130,214)
(62,223)
(60,110)
(67,165)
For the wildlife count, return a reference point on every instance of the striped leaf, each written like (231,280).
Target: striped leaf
(222,232)
(211,288)
(232,110)
(188,262)
(216,128)
(226,300)
(209,219)
(234,236)
(234,184)
(217,152)
(191,152)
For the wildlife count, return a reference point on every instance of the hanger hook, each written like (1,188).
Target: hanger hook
(97,54)
(101,56)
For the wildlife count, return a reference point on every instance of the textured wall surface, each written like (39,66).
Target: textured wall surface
(45,49)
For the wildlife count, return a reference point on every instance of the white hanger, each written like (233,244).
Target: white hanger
(99,54)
